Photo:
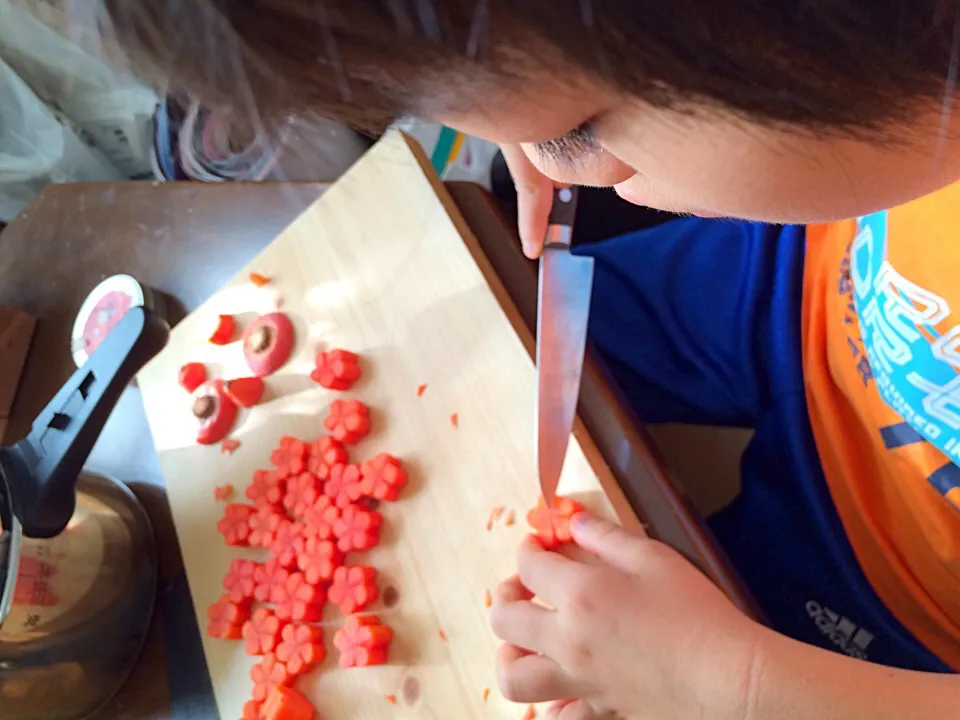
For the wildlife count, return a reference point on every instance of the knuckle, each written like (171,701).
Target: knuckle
(510,686)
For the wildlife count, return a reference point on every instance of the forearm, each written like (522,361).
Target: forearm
(794,681)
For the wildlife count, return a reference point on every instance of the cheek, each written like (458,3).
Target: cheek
(601,169)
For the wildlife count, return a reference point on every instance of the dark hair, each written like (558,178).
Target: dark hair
(846,65)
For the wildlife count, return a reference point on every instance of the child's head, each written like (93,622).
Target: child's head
(782,110)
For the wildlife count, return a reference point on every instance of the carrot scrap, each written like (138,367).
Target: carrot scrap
(285,703)
(487,599)
(224,330)
(259,280)
(354,588)
(226,618)
(192,376)
(495,514)
(301,648)
(455,420)
(228,446)
(421,390)
(551,525)
(363,641)
(511,518)
(486,694)
(531,713)
(223,492)
(442,635)
(392,699)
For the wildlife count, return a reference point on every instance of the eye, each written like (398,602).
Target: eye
(570,148)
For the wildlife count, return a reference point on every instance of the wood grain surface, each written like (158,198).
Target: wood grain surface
(379,265)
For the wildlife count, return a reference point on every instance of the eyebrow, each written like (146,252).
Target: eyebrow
(569,148)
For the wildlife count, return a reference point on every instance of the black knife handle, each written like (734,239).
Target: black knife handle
(43,468)
(564,210)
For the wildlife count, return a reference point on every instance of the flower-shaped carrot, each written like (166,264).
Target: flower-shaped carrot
(383,476)
(284,545)
(336,370)
(234,525)
(299,600)
(320,518)
(264,525)
(357,529)
(345,485)
(302,492)
(348,421)
(291,455)
(552,524)
(252,710)
(363,641)
(325,453)
(239,581)
(262,632)
(268,674)
(301,648)
(354,588)
(268,577)
(227,618)
(266,488)
(318,559)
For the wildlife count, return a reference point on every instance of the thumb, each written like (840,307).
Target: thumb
(608,541)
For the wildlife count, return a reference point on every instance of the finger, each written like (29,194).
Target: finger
(512,590)
(534,199)
(526,678)
(547,574)
(608,541)
(575,710)
(521,622)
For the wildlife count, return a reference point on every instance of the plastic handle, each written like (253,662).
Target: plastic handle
(42,469)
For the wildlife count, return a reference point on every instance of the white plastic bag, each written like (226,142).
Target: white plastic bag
(110,109)
(36,148)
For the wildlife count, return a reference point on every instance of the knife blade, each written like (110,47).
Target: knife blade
(563,309)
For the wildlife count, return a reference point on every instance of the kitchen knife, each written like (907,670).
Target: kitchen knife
(563,308)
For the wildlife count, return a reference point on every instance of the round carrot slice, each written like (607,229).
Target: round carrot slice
(267,343)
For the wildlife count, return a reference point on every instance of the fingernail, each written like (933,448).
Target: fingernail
(528,249)
(581,521)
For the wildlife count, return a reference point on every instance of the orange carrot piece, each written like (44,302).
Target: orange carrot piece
(511,518)
(455,420)
(531,713)
(223,492)
(486,694)
(229,446)
(259,280)
(421,390)
(442,635)
(392,699)
(487,599)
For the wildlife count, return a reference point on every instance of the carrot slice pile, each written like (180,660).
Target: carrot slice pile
(354,588)
(363,641)
(551,525)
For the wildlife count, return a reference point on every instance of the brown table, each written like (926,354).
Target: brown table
(187,240)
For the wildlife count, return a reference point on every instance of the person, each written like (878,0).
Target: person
(809,294)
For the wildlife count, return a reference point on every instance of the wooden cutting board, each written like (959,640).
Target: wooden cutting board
(384,266)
